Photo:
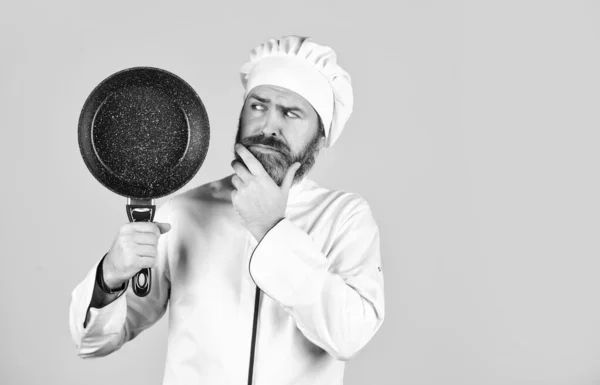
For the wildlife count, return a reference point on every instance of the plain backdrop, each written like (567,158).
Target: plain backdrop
(474,139)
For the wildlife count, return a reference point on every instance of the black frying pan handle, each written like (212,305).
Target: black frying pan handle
(142,280)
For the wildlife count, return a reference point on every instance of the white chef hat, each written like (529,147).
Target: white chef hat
(310,70)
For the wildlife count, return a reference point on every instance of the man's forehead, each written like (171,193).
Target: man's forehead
(279,94)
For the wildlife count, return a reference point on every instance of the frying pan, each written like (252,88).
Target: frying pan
(143,133)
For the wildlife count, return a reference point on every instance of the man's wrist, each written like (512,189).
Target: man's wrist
(104,286)
(260,231)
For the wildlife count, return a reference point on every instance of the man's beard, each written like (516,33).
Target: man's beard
(277,163)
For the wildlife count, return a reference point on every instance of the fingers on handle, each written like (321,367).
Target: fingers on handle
(145,239)
(143,227)
(163,227)
(146,251)
(147,262)
(156,228)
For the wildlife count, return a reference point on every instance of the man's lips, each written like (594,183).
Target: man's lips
(263,147)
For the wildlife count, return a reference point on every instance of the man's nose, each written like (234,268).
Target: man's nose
(272,124)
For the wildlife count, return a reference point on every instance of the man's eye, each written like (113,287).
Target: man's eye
(258,107)
(290,114)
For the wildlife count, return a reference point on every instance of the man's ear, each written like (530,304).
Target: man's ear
(322,141)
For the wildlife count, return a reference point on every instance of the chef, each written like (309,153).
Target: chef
(270,278)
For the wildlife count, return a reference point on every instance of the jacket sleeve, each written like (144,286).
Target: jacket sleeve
(99,332)
(336,299)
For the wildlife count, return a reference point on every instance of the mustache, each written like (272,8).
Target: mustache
(268,141)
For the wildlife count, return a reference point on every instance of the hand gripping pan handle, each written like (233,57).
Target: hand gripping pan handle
(141,211)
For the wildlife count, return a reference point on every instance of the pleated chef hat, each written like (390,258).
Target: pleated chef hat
(310,70)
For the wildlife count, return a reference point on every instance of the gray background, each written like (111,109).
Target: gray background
(474,138)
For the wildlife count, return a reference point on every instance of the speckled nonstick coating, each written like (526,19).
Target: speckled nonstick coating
(143,133)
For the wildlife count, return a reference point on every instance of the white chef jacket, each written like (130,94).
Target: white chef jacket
(318,269)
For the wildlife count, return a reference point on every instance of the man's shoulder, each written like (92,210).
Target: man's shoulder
(346,202)
(211,193)
(344,208)
(215,191)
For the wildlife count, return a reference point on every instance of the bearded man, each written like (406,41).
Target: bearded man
(269,277)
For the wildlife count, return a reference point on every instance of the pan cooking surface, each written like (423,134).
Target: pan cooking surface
(143,133)
(139,134)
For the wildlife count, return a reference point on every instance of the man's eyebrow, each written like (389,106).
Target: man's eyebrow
(296,109)
(286,108)
(262,100)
